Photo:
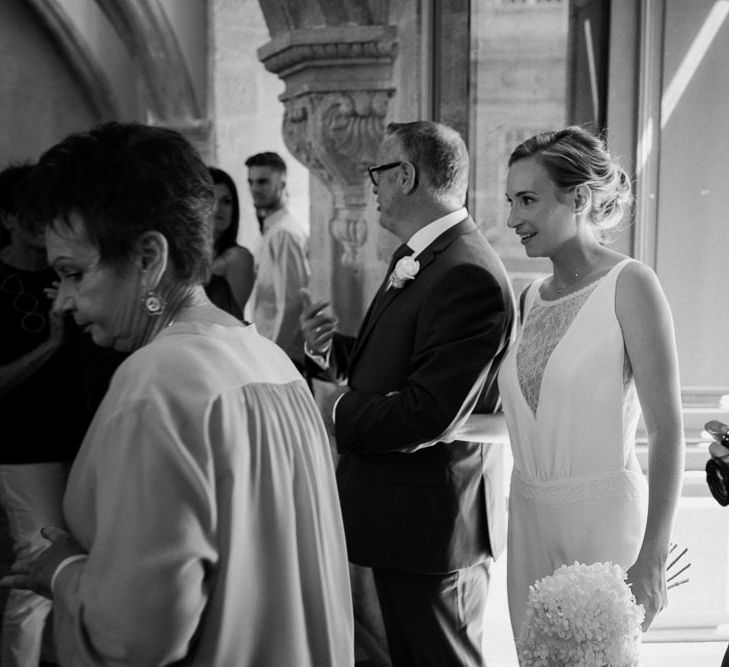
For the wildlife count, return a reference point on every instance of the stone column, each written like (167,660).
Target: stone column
(338,86)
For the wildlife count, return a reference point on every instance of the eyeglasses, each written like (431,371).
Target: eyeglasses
(374,171)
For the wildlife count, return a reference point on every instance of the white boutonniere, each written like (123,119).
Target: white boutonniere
(405,269)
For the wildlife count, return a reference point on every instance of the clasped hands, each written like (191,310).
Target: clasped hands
(36,572)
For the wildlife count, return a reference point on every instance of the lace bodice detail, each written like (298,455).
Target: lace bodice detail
(546,323)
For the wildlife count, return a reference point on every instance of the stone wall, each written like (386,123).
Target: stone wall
(40,102)
(247,113)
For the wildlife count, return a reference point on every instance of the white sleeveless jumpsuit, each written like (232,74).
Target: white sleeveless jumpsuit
(577,490)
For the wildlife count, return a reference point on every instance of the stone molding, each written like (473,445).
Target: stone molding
(328,47)
(198,131)
(145,30)
(75,50)
(150,39)
(338,87)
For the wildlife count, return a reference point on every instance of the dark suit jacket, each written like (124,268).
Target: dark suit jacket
(434,342)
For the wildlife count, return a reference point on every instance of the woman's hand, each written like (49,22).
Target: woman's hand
(59,328)
(35,573)
(647,580)
(52,291)
(59,324)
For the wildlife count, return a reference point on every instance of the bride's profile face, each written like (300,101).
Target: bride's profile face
(542,216)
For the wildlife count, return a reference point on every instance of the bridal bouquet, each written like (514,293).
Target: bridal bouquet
(581,615)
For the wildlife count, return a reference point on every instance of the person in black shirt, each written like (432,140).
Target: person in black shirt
(39,409)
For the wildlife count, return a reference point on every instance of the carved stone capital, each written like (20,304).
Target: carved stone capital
(331,58)
(338,85)
(198,132)
(336,136)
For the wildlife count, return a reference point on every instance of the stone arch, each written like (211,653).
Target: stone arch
(145,29)
(80,59)
(148,37)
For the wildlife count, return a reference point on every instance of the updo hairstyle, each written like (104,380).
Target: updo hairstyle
(572,157)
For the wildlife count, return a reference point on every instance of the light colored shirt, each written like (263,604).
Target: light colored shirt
(204,496)
(283,269)
(426,235)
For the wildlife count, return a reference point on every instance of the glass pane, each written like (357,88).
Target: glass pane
(536,65)
(693,235)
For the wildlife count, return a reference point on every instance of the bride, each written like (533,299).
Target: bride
(597,343)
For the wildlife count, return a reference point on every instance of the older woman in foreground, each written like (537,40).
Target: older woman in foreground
(203,515)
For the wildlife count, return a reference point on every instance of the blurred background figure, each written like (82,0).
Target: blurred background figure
(40,409)
(282,260)
(203,520)
(233,269)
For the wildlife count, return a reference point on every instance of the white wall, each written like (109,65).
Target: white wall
(245,106)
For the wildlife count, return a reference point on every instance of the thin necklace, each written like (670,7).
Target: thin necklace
(575,275)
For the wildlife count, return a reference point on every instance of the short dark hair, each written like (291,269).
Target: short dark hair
(125,179)
(229,237)
(438,153)
(267,159)
(12,178)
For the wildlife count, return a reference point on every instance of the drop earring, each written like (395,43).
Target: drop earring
(154,304)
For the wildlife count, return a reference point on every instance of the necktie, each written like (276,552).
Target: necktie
(402,251)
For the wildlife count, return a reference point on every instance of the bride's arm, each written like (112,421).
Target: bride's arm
(647,325)
(489,428)
(483,428)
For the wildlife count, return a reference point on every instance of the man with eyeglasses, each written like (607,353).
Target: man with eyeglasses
(423,505)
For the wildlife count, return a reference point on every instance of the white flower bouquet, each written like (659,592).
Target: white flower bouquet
(581,615)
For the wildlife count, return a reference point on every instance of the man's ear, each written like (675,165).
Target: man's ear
(153,253)
(408,176)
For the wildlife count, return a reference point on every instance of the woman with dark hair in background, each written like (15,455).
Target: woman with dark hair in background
(231,262)
(203,521)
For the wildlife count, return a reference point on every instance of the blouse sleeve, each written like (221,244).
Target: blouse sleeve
(283,273)
(139,596)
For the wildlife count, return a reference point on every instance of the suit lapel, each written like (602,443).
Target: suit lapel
(383,299)
(364,328)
